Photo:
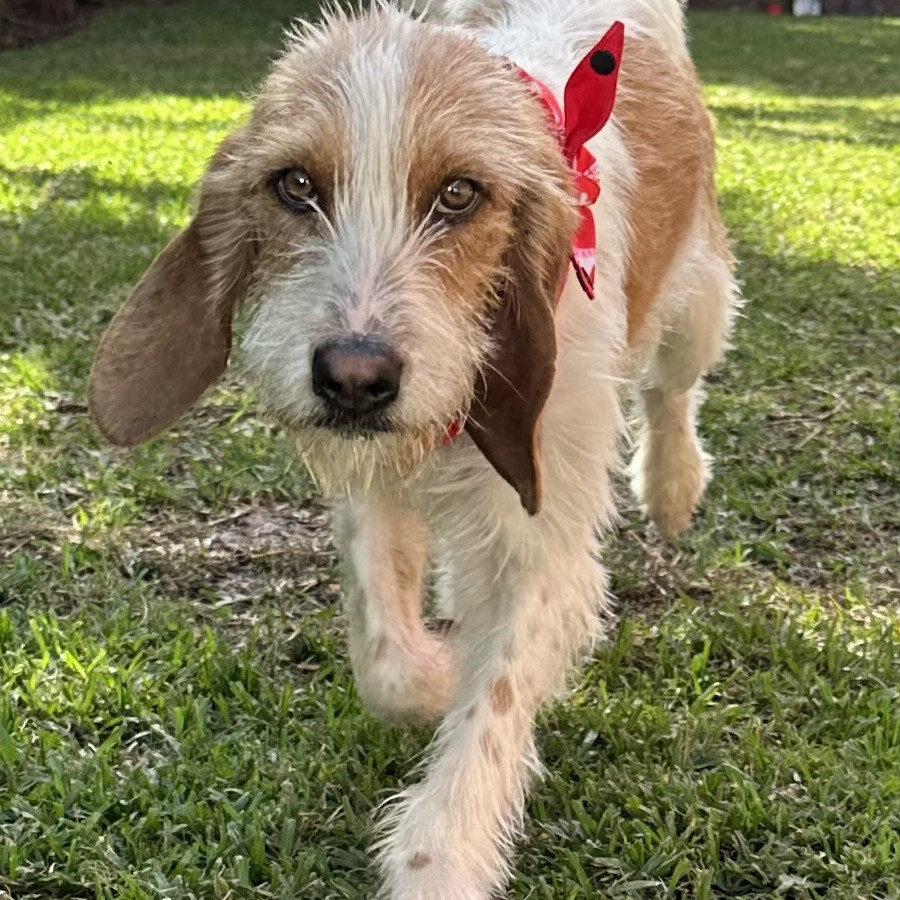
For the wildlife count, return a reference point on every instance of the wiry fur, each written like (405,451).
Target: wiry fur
(380,109)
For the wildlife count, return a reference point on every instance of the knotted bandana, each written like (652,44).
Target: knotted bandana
(588,100)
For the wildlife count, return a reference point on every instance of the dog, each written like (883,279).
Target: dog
(460,240)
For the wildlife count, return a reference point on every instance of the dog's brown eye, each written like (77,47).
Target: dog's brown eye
(296,189)
(457,196)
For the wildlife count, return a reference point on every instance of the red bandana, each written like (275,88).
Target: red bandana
(588,97)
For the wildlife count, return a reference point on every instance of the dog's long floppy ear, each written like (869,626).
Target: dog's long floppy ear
(172,337)
(511,390)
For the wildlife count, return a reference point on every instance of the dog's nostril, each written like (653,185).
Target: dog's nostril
(330,386)
(356,375)
(379,389)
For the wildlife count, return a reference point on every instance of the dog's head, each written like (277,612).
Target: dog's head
(398,215)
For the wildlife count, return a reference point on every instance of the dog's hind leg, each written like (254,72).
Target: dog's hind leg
(402,672)
(670,468)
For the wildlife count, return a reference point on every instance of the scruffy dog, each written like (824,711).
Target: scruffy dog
(405,216)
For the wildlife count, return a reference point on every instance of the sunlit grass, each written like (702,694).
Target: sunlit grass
(177,717)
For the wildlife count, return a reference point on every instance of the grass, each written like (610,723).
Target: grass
(177,716)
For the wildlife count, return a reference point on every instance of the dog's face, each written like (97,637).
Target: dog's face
(397,214)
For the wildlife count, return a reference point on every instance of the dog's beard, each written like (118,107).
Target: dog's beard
(340,460)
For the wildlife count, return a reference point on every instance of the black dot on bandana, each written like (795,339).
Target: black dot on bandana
(603,62)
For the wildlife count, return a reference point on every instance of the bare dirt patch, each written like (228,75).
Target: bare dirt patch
(231,561)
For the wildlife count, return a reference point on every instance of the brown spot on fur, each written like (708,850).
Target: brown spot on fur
(545,598)
(490,747)
(669,134)
(501,696)
(381,648)
(470,712)
(418,861)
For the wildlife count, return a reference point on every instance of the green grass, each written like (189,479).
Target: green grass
(177,716)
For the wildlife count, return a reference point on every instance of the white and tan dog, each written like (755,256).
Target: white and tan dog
(398,216)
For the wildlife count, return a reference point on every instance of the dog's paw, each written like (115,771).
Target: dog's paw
(669,474)
(408,681)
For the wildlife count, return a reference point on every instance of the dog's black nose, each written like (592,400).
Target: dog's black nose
(356,375)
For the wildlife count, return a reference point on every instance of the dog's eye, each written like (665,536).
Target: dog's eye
(458,196)
(296,190)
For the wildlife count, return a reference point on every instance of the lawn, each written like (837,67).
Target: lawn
(177,716)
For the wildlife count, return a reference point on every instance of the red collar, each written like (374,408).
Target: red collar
(588,100)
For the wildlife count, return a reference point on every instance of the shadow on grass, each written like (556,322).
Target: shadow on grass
(221,48)
(856,126)
(829,57)
(800,420)
(71,256)
(203,49)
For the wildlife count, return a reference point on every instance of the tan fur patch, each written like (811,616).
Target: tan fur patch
(418,861)
(407,569)
(669,134)
(501,696)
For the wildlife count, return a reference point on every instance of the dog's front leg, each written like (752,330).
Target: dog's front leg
(402,673)
(520,617)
